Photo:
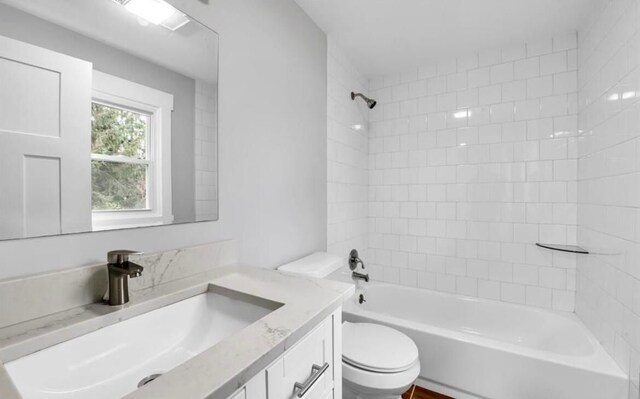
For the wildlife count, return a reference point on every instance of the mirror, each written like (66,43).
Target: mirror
(108,116)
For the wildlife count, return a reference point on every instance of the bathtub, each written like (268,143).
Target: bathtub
(475,348)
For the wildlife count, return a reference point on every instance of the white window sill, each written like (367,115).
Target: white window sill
(116,220)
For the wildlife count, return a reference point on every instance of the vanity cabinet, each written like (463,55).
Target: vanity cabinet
(310,369)
(306,368)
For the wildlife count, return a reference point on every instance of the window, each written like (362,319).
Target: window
(119,163)
(130,154)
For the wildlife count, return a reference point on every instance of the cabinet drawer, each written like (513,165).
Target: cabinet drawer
(308,363)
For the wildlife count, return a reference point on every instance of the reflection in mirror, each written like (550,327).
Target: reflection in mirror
(108,116)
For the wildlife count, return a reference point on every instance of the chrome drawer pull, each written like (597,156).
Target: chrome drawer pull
(316,372)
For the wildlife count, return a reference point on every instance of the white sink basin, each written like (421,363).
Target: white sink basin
(111,362)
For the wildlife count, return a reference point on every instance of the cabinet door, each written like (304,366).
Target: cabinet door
(256,388)
(309,364)
(329,395)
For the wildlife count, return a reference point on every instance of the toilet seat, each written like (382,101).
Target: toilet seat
(378,349)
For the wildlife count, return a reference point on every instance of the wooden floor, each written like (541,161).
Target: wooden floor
(422,393)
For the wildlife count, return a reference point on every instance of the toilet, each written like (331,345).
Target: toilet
(378,362)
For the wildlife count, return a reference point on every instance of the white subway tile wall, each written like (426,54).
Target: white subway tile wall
(471,162)
(206,142)
(608,280)
(347,156)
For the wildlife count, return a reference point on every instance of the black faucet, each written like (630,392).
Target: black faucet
(354,260)
(360,276)
(120,269)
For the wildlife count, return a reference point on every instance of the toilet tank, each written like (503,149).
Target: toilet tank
(318,265)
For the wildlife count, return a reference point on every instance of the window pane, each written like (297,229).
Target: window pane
(118,186)
(117,131)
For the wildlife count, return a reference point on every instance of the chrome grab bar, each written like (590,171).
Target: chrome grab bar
(316,372)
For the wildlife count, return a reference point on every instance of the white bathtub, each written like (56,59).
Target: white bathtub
(475,348)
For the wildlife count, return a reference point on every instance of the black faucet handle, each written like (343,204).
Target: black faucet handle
(354,259)
(120,256)
(133,269)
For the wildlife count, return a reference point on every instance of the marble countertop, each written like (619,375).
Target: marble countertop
(218,371)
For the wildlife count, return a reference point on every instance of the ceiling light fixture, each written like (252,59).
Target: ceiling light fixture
(157,12)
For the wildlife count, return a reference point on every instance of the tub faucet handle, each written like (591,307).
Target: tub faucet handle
(354,259)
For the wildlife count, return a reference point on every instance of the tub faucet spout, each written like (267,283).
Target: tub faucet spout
(360,276)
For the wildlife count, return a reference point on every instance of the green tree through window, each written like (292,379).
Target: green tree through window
(118,181)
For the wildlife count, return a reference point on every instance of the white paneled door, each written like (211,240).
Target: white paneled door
(45,140)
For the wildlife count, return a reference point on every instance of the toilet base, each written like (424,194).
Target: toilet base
(347,393)
(362,384)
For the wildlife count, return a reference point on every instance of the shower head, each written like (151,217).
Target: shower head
(370,102)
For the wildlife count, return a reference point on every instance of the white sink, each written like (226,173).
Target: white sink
(111,362)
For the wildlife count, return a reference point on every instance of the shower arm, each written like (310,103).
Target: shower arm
(354,95)
(369,101)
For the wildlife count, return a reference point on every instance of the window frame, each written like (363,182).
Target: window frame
(116,92)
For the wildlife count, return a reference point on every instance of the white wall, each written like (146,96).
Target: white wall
(473,161)
(608,284)
(347,156)
(272,136)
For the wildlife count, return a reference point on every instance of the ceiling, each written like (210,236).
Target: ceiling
(382,36)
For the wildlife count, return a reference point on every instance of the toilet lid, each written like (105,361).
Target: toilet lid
(377,348)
